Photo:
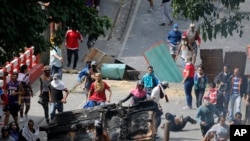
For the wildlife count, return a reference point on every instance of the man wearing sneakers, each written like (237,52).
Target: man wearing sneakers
(165,12)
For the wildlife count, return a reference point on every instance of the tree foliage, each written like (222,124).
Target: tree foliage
(216,17)
(23,23)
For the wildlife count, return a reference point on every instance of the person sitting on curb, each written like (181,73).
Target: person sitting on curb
(138,94)
(178,123)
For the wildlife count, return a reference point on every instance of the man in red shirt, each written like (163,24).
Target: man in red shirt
(72,44)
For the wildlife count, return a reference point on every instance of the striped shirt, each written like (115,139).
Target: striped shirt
(235,85)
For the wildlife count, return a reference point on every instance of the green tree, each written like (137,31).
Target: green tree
(24,21)
(216,17)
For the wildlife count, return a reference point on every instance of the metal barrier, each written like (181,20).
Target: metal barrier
(26,57)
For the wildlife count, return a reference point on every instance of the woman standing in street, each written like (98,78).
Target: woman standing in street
(188,81)
(200,82)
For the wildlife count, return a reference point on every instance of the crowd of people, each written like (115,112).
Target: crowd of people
(224,97)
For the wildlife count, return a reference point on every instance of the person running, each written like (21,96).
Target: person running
(200,82)
(205,115)
(194,39)
(56,96)
(97,95)
(23,77)
(173,38)
(83,73)
(45,80)
(178,123)
(137,94)
(14,91)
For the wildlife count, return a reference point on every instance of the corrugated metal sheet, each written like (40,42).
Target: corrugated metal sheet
(212,61)
(165,68)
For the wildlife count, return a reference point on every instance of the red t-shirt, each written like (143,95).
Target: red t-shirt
(72,38)
(191,69)
(98,96)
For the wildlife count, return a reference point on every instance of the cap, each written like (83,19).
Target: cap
(175,26)
(46,68)
(192,25)
(164,84)
(93,63)
(56,75)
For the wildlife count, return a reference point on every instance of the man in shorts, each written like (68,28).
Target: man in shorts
(173,39)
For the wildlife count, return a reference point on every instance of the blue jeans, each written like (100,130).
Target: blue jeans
(199,96)
(54,70)
(148,90)
(235,99)
(188,85)
(55,106)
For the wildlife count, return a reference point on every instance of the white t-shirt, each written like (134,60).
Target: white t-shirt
(53,60)
(156,93)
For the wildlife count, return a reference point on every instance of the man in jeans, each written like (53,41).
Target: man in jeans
(235,97)
(56,96)
(72,44)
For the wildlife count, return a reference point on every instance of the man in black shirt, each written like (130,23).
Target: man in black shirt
(56,96)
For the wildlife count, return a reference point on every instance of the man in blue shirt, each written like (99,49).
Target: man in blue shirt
(173,39)
(83,72)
